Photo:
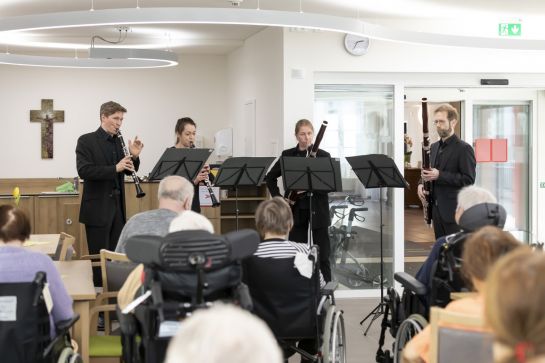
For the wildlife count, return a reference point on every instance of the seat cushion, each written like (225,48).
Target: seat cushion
(105,346)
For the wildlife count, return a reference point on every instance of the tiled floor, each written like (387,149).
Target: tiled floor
(360,348)
(415,227)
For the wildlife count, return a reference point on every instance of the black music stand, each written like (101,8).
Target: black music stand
(242,171)
(183,162)
(311,175)
(377,171)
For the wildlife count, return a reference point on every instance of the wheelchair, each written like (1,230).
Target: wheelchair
(183,271)
(296,309)
(407,315)
(25,329)
(343,262)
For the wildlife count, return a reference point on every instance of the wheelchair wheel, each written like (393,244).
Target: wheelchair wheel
(334,338)
(68,355)
(411,326)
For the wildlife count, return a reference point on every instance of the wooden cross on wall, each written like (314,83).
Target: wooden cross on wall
(47,116)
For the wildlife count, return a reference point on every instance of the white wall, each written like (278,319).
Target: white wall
(318,51)
(255,72)
(154,98)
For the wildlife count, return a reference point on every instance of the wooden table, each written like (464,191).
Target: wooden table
(43,243)
(77,277)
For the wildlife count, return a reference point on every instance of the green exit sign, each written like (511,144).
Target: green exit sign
(510,29)
(542,185)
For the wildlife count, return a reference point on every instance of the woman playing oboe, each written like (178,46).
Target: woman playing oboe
(186,130)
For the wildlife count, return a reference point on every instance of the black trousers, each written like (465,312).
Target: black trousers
(104,237)
(320,237)
(440,227)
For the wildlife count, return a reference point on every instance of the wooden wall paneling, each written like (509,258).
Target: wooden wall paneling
(136,205)
(26,204)
(31,185)
(46,214)
(68,222)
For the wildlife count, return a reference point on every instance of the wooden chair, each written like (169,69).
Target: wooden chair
(103,348)
(457,337)
(82,251)
(65,247)
(115,267)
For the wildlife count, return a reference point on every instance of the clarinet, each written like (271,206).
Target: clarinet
(426,163)
(213,198)
(139,192)
(311,153)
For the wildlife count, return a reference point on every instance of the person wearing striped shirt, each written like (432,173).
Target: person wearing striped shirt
(273,222)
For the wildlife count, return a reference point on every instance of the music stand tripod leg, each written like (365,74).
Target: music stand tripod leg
(378,310)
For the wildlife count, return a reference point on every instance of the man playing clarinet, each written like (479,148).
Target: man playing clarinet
(102,165)
(304,133)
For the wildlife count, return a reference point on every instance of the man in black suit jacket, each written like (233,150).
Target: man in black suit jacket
(102,165)
(452,168)
(304,133)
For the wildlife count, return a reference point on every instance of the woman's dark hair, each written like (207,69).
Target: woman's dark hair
(180,125)
(14,224)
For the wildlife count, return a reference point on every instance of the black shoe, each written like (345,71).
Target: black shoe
(100,323)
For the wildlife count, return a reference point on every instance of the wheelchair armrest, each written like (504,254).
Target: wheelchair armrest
(409,282)
(329,288)
(63,325)
(127,322)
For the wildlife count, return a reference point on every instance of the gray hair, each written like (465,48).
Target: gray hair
(176,188)
(189,220)
(223,333)
(473,195)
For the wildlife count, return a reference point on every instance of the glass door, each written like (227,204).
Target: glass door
(498,123)
(502,137)
(361,119)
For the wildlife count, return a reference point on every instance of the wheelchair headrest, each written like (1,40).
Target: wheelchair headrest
(484,214)
(182,251)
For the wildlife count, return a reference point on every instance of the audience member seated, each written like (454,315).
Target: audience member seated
(187,220)
(515,308)
(273,222)
(175,195)
(481,251)
(223,333)
(18,264)
(467,198)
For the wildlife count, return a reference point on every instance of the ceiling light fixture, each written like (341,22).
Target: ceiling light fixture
(240,16)
(142,61)
(100,57)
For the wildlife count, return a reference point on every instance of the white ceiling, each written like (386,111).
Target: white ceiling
(457,17)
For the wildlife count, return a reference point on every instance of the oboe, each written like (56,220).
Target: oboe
(213,198)
(139,192)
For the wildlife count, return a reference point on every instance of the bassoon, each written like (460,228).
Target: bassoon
(426,147)
(139,192)
(311,153)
